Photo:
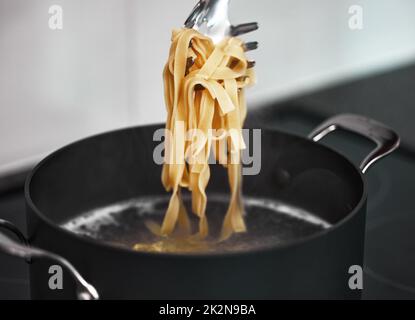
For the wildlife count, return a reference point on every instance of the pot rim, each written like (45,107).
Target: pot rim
(119,249)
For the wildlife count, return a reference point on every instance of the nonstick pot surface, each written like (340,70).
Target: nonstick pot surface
(98,187)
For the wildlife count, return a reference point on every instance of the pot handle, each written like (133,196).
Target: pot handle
(386,139)
(85,291)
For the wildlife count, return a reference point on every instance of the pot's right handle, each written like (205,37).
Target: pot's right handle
(11,247)
(385,138)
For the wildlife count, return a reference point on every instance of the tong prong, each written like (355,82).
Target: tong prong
(194,15)
(244,28)
(251,64)
(249,46)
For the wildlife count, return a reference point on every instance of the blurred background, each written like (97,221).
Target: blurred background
(103,69)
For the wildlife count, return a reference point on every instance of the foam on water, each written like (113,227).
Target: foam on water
(269,222)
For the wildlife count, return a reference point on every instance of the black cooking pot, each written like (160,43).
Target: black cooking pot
(118,166)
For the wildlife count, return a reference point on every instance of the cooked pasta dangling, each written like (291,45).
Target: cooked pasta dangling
(204,91)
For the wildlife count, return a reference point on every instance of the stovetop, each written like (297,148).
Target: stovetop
(390,237)
(390,230)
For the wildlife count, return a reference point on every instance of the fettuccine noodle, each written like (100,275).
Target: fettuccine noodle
(204,95)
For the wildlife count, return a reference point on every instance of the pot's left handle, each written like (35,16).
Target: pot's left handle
(85,291)
(386,139)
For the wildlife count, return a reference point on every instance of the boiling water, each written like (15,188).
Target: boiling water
(269,223)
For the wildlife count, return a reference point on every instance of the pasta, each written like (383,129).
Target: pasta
(204,93)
